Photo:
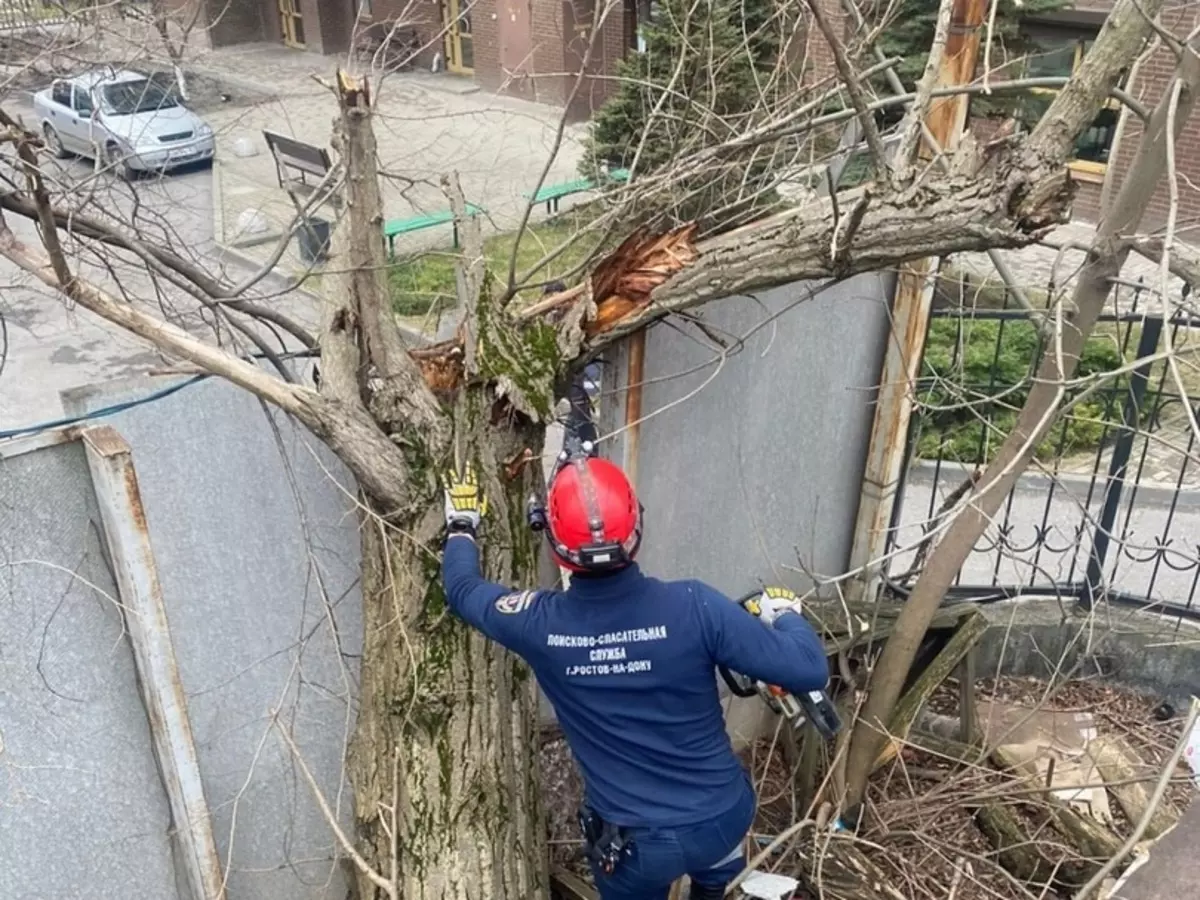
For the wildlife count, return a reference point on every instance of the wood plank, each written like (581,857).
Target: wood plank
(126,533)
(570,885)
(1120,766)
(939,669)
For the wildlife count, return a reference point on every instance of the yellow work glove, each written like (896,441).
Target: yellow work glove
(772,603)
(465,504)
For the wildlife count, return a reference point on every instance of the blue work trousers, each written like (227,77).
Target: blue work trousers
(710,853)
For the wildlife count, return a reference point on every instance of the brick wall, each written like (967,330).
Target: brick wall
(425,16)
(549,70)
(545,83)
(538,77)
(618,36)
(818,59)
(1153,80)
(236,22)
(543,74)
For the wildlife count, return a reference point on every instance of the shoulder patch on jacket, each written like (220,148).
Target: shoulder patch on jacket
(516,602)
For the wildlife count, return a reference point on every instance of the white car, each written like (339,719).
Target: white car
(123,119)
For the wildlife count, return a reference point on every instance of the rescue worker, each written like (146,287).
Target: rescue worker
(628,663)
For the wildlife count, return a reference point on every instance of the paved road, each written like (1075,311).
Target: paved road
(51,346)
(1147,519)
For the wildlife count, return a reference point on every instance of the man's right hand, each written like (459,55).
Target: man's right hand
(772,603)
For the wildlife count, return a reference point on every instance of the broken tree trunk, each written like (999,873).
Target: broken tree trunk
(965,637)
(443,761)
(1016,851)
(1094,843)
(1121,768)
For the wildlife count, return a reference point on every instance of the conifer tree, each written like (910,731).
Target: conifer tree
(698,82)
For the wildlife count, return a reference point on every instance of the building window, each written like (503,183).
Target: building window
(1059,55)
(646,12)
(364,9)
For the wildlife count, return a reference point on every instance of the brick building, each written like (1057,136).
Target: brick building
(1100,153)
(521,47)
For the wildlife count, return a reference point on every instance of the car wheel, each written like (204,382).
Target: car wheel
(116,161)
(53,142)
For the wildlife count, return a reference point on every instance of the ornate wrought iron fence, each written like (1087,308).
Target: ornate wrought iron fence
(30,13)
(22,14)
(1110,510)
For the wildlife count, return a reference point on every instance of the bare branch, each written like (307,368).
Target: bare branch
(914,120)
(1076,105)
(853,87)
(1107,255)
(1184,258)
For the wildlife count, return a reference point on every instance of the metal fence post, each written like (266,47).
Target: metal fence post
(1131,417)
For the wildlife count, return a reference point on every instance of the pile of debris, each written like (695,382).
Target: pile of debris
(991,788)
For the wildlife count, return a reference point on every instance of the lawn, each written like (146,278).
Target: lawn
(419,284)
(978,377)
(976,371)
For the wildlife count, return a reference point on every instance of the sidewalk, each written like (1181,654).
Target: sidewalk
(1038,267)
(1173,869)
(426,126)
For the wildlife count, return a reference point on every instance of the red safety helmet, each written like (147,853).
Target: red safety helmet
(593,516)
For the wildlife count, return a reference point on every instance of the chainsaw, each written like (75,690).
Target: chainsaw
(814,706)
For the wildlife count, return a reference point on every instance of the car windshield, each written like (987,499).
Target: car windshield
(128,97)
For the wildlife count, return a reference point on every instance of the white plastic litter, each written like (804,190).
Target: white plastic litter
(244,147)
(769,886)
(1191,754)
(251,221)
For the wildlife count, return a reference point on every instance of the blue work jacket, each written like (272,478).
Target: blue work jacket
(628,663)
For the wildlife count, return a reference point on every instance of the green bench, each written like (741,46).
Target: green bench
(550,194)
(393,228)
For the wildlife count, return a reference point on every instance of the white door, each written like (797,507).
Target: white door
(81,107)
(62,116)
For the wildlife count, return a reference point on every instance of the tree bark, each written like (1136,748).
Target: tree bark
(443,761)
(1108,253)
(447,724)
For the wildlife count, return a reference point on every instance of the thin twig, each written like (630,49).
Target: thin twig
(389,887)
(853,87)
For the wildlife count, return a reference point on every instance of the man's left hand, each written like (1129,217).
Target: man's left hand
(772,603)
(465,504)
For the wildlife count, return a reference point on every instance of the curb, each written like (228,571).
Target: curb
(1186,497)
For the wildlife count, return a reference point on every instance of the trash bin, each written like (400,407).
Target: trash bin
(313,238)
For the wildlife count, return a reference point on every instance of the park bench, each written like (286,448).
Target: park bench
(393,228)
(295,161)
(550,194)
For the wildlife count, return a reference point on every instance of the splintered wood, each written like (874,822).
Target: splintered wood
(623,281)
(441,366)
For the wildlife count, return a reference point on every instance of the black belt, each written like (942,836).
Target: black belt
(604,844)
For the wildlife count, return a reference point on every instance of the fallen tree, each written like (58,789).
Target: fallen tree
(442,762)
